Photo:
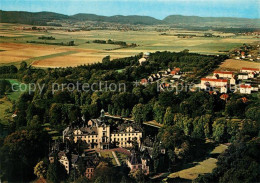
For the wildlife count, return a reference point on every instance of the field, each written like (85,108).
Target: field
(202,167)
(14,47)
(233,65)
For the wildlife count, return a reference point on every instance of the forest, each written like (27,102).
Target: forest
(188,118)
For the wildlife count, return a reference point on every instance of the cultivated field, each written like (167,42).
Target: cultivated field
(14,46)
(234,65)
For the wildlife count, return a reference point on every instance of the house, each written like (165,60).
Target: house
(144,81)
(176,77)
(209,82)
(150,79)
(245,89)
(71,160)
(232,81)
(242,76)
(142,60)
(137,161)
(98,133)
(175,71)
(244,99)
(224,97)
(223,89)
(223,74)
(64,160)
(146,55)
(90,169)
(251,75)
(249,70)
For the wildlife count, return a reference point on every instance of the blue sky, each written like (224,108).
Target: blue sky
(156,8)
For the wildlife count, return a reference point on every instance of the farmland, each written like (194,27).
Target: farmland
(234,65)
(15,48)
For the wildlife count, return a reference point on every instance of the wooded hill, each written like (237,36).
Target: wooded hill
(42,18)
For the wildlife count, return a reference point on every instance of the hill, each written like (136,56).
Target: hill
(42,18)
(132,19)
(212,21)
(39,18)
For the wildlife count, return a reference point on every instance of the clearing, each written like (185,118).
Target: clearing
(202,167)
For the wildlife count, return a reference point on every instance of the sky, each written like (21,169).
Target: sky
(155,8)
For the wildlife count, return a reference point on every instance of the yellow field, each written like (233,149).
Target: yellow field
(14,47)
(232,64)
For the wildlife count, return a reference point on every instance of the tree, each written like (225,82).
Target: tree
(56,172)
(159,112)
(18,156)
(137,113)
(219,130)
(106,60)
(253,113)
(123,114)
(23,66)
(138,175)
(168,116)
(40,170)
(109,109)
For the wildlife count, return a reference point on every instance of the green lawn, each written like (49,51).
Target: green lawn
(202,167)
(121,157)
(108,154)
(16,94)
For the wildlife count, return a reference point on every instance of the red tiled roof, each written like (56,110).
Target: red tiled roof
(252,69)
(245,86)
(224,96)
(215,80)
(144,81)
(223,72)
(244,99)
(173,72)
(177,69)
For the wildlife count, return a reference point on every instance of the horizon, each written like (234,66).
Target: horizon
(123,15)
(156,9)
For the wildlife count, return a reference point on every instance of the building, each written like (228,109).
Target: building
(98,133)
(146,55)
(64,160)
(175,71)
(223,74)
(245,89)
(209,82)
(242,76)
(71,160)
(232,81)
(144,81)
(139,161)
(224,97)
(249,70)
(251,75)
(142,60)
